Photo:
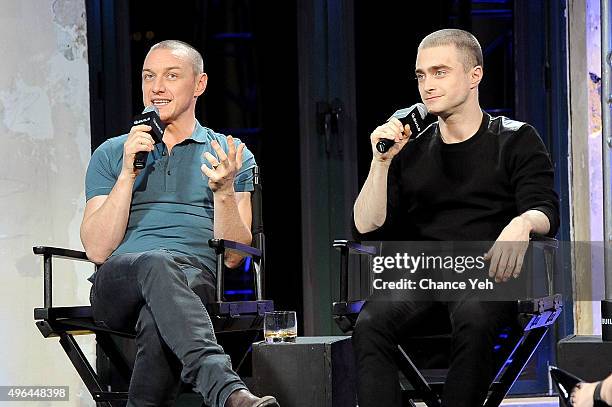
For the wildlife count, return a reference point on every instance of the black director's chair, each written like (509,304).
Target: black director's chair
(422,367)
(226,316)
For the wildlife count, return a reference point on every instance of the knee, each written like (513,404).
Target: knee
(476,332)
(369,330)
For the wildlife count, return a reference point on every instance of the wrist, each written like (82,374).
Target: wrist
(127,176)
(525,222)
(224,193)
(380,163)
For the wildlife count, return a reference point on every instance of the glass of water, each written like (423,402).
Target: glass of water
(280,326)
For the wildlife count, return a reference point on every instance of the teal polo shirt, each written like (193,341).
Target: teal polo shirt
(172,205)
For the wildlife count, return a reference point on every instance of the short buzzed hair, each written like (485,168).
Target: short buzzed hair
(182,47)
(467,45)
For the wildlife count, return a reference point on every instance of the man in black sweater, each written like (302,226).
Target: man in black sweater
(467,177)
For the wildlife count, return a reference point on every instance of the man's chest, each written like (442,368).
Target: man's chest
(456,178)
(174,177)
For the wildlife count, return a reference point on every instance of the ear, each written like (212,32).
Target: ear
(201,83)
(475,76)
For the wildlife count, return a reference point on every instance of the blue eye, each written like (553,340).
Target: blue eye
(441,73)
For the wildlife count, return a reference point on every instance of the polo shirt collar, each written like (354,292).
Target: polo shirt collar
(200,133)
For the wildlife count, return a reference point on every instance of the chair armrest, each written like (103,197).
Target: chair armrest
(546,242)
(48,253)
(347,247)
(541,304)
(221,244)
(60,252)
(549,247)
(354,247)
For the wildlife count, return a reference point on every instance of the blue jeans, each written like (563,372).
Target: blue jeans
(152,293)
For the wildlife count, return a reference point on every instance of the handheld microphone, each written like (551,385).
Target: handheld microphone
(412,116)
(150,117)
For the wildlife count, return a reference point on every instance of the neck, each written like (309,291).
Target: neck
(460,125)
(179,130)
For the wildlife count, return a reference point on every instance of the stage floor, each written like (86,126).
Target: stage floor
(527,402)
(532,402)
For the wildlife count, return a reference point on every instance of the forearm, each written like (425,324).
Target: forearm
(229,225)
(370,209)
(104,229)
(536,221)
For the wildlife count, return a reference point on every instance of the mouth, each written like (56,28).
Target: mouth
(432,98)
(160,102)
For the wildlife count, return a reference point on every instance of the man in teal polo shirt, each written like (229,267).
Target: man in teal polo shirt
(149,228)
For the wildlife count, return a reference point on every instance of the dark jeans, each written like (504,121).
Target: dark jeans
(382,325)
(152,293)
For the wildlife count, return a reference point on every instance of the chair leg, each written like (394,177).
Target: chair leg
(516,362)
(87,373)
(116,357)
(408,403)
(84,369)
(429,397)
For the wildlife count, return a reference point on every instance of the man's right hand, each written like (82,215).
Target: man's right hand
(392,130)
(138,140)
(370,210)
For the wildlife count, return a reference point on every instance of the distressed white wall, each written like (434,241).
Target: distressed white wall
(45,147)
(593,82)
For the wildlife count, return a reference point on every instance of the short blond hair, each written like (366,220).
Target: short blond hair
(190,52)
(467,45)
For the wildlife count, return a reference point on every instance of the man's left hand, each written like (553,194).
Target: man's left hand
(223,169)
(506,255)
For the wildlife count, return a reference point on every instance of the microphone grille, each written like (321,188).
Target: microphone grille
(151,108)
(401,113)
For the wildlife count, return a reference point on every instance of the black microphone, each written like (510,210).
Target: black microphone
(413,116)
(150,117)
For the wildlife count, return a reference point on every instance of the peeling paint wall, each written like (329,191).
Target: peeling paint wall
(593,83)
(45,133)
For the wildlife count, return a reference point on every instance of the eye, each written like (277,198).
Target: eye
(420,77)
(147,76)
(441,73)
(172,75)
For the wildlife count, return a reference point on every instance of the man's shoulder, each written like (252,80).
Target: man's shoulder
(430,130)
(210,135)
(515,136)
(503,125)
(206,134)
(113,144)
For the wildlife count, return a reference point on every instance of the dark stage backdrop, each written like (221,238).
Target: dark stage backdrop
(251,60)
(251,55)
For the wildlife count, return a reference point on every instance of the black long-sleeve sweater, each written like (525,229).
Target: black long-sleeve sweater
(469,190)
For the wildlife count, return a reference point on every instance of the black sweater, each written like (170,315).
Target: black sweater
(469,190)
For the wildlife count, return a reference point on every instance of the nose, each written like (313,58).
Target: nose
(427,84)
(158,85)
